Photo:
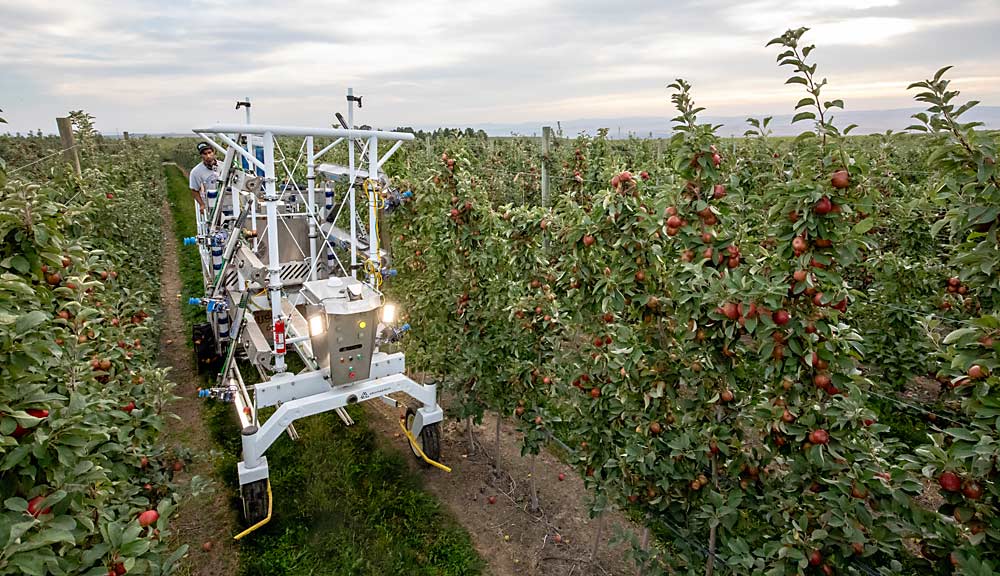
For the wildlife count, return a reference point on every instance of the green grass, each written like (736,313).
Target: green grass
(182,207)
(342,505)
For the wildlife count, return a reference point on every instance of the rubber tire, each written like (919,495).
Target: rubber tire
(429,439)
(254,501)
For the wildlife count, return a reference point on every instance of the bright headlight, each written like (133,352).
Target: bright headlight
(388,313)
(316,325)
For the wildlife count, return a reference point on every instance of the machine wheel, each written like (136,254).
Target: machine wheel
(429,439)
(254,501)
(204,347)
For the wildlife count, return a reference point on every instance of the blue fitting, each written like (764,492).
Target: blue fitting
(404,327)
(390,272)
(190,240)
(194,301)
(408,194)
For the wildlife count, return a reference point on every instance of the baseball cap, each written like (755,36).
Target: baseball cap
(202,146)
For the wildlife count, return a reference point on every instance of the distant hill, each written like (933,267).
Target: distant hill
(868,121)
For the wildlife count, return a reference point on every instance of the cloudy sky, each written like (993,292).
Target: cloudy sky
(153,66)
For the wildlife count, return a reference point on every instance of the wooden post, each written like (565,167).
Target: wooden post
(68,145)
(124,135)
(430,147)
(546,134)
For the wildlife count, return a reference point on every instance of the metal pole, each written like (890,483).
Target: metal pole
(274,264)
(372,191)
(250,149)
(311,204)
(68,145)
(351,178)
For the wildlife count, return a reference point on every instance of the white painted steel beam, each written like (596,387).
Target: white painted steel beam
(305,131)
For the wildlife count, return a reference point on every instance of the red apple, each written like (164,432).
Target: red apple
(781,317)
(950,482)
(973,490)
(815,558)
(840,179)
(148,517)
(823,206)
(34,507)
(819,436)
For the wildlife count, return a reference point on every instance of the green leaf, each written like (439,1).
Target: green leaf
(940,73)
(864,225)
(805,102)
(956,335)
(797,80)
(29,321)
(803,116)
(18,262)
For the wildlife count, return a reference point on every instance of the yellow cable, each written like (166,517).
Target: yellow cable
(374,268)
(262,522)
(413,443)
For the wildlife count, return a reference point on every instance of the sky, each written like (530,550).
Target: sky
(151,66)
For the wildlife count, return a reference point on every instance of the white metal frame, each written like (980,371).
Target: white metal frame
(308,393)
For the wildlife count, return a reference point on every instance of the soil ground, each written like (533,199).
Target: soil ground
(207,518)
(513,539)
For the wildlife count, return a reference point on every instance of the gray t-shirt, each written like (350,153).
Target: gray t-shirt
(202,174)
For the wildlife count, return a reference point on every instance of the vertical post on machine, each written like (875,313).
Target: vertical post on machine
(250,149)
(311,204)
(351,175)
(372,200)
(331,260)
(273,262)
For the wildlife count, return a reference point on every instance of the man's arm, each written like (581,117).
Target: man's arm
(198,198)
(196,187)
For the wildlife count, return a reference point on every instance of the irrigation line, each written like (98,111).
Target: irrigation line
(926,314)
(865,568)
(19,168)
(899,402)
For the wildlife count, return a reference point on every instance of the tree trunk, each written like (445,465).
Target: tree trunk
(472,438)
(497,462)
(534,489)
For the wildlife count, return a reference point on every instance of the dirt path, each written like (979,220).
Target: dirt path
(208,518)
(511,538)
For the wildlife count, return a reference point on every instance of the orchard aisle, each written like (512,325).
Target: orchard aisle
(495,508)
(206,523)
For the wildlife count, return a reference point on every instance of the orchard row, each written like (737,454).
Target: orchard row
(86,484)
(778,353)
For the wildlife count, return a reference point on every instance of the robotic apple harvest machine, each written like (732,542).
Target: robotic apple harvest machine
(287,275)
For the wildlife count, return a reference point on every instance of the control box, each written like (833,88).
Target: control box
(342,314)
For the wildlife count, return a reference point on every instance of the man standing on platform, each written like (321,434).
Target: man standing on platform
(204,176)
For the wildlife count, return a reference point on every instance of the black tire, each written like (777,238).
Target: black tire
(254,501)
(429,439)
